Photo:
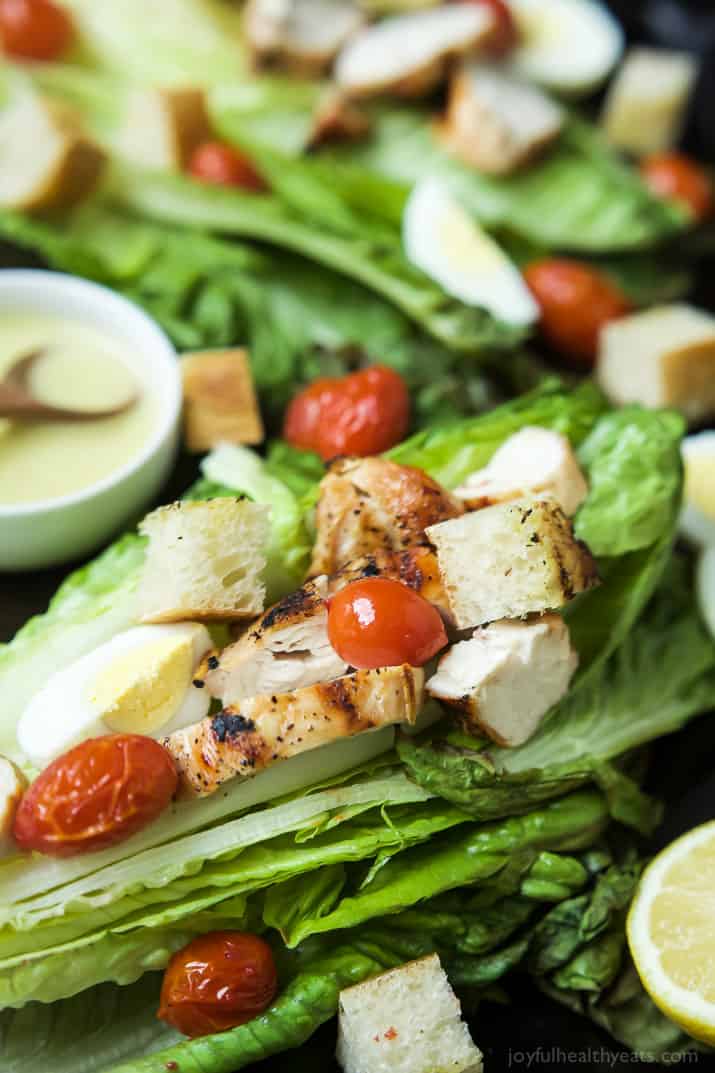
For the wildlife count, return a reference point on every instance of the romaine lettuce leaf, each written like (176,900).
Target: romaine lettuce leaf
(579,197)
(662,675)
(352,248)
(473,856)
(632,461)
(178,42)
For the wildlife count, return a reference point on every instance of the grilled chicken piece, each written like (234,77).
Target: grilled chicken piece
(415,567)
(338,119)
(244,739)
(286,649)
(496,122)
(302,37)
(409,54)
(506,677)
(371,503)
(534,461)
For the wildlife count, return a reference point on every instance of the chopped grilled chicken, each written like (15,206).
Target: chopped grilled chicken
(286,649)
(244,739)
(496,122)
(12,786)
(510,560)
(337,119)
(507,676)
(415,567)
(534,461)
(371,503)
(409,54)
(299,36)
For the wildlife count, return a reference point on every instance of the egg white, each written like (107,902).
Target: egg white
(76,702)
(697,520)
(447,244)
(705,587)
(568,46)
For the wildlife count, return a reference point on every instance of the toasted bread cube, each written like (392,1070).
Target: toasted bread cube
(661,357)
(204,561)
(534,461)
(510,560)
(12,786)
(161,128)
(505,679)
(496,122)
(646,104)
(47,162)
(220,404)
(407,1020)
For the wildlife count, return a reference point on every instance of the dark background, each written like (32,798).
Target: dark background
(682,769)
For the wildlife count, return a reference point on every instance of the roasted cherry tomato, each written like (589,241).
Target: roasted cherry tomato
(381,623)
(34,29)
(506,33)
(98,793)
(575,301)
(360,414)
(222,165)
(218,981)
(676,176)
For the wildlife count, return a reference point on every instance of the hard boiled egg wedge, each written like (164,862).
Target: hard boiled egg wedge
(705,587)
(568,46)
(445,242)
(697,521)
(140,682)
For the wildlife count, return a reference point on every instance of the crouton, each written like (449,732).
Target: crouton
(12,786)
(510,560)
(505,679)
(337,119)
(661,357)
(220,404)
(534,461)
(47,163)
(495,122)
(161,128)
(204,561)
(648,99)
(407,1020)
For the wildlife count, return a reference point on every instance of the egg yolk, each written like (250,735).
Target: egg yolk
(141,690)
(700,483)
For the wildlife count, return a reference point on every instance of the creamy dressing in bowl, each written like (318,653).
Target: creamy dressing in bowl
(82,369)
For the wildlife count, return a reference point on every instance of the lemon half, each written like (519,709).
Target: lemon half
(671,931)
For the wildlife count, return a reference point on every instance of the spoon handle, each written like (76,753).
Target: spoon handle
(19,404)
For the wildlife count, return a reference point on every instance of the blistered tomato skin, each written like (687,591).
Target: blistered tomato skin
(34,29)
(361,414)
(222,165)
(575,302)
(217,982)
(676,177)
(96,795)
(382,623)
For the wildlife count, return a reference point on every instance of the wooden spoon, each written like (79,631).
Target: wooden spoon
(19,404)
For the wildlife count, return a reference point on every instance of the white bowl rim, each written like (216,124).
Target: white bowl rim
(162,352)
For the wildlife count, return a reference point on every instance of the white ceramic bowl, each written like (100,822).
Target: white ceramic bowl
(49,532)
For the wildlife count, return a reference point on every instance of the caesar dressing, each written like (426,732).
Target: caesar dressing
(81,369)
